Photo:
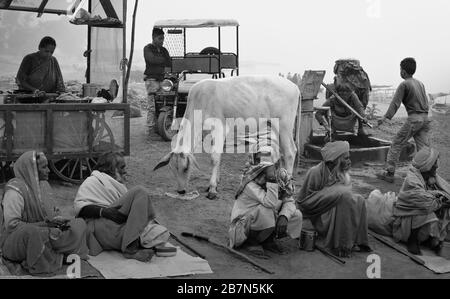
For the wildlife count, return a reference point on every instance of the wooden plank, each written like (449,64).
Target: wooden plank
(127,131)
(31,9)
(9,131)
(42,7)
(109,9)
(90,132)
(306,126)
(49,131)
(63,107)
(396,247)
(75,6)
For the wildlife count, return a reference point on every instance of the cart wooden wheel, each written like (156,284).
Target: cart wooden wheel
(76,170)
(73,170)
(165,120)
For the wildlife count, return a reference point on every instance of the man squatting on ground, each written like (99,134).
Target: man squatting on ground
(411,93)
(157,59)
(264,210)
(422,212)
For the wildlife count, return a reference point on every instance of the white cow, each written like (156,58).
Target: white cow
(244,97)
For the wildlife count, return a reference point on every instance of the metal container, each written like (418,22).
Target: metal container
(308,240)
(445,251)
(91,90)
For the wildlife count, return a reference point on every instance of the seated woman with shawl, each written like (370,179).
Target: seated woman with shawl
(39,72)
(422,210)
(32,232)
(264,210)
(117,218)
(327,199)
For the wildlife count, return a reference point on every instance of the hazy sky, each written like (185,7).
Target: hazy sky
(276,36)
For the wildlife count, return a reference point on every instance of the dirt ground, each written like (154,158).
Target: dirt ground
(211,218)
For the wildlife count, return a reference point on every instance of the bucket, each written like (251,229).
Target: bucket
(91,90)
(308,240)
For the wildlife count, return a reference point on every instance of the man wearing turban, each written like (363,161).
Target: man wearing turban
(326,198)
(264,210)
(421,213)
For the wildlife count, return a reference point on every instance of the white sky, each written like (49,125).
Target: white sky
(297,35)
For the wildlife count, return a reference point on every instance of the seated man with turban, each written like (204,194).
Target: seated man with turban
(421,212)
(326,198)
(264,210)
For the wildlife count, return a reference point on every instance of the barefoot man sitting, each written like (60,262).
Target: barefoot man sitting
(264,210)
(117,218)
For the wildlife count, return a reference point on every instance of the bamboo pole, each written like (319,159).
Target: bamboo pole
(133,32)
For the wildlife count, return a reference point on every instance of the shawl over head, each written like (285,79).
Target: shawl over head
(251,173)
(333,150)
(98,189)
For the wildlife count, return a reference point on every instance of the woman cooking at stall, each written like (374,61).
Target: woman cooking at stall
(39,72)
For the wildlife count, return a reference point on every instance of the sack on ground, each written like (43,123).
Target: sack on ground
(380,211)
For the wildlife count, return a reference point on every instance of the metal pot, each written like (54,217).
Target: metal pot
(308,240)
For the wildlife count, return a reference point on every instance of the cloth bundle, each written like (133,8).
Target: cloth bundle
(154,235)
(380,212)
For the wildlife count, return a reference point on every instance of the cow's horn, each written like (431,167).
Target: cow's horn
(163,162)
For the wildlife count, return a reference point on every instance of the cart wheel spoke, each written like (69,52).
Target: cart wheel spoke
(81,169)
(74,168)
(65,166)
(88,165)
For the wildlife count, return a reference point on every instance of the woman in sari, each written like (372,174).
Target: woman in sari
(39,72)
(118,219)
(33,234)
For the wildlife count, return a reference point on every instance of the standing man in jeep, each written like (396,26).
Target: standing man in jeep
(157,59)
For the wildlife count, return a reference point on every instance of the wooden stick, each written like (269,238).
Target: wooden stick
(396,247)
(241,255)
(184,244)
(347,105)
(330,255)
(133,33)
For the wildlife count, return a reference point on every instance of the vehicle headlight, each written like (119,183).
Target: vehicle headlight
(166,85)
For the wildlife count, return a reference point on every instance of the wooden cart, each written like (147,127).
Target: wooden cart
(72,135)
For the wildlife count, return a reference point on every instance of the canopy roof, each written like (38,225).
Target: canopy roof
(41,6)
(196,23)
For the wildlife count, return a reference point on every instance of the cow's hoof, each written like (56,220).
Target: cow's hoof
(207,189)
(212,196)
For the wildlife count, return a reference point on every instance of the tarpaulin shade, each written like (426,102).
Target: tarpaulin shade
(107,47)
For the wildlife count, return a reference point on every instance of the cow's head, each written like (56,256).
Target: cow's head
(181,165)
